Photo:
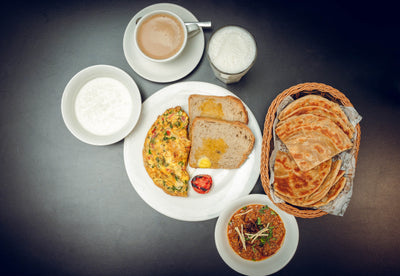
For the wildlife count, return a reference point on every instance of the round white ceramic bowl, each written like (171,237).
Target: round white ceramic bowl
(265,267)
(72,90)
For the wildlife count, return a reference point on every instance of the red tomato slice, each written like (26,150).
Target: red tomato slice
(202,183)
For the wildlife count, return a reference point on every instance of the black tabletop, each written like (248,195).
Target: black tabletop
(68,208)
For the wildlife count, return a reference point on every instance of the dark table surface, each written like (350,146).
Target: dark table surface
(68,208)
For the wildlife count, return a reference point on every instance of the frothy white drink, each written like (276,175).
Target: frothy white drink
(232,49)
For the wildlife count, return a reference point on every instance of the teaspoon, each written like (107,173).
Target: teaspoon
(204,24)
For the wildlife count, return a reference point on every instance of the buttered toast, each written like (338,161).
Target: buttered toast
(219,144)
(227,108)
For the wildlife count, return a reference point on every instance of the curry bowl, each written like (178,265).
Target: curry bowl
(267,265)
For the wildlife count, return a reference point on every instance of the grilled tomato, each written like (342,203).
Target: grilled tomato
(202,183)
(166,150)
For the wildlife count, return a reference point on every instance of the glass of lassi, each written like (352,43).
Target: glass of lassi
(231,51)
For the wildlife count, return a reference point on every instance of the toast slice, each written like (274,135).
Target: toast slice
(227,108)
(219,144)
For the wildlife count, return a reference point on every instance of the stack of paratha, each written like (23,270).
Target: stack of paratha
(315,130)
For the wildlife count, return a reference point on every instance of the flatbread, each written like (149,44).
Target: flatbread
(332,194)
(291,182)
(322,112)
(322,190)
(312,139)
(315,100)
(339,175)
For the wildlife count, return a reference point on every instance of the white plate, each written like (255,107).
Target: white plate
(269,265)
(227,184)
(69,97)
(164,71)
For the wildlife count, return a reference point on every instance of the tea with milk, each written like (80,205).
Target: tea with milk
(160,36)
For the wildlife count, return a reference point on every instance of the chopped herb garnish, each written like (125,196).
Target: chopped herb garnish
(273,213)
(166,138)
(263,240)
(262,210)
(270,233)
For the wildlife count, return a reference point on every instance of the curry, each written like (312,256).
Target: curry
(256,232)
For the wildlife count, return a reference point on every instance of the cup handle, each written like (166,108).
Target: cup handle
(192,29)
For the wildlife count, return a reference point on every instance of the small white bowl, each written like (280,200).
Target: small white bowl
(265,267)
(72,90)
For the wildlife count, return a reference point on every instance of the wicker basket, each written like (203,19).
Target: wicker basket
(267,142)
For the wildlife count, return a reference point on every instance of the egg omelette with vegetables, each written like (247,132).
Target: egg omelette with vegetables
(166,150)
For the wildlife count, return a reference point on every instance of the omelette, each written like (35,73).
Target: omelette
(166,150)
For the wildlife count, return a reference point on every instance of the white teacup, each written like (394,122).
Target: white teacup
(162,35)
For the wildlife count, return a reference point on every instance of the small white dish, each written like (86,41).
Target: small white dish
(265,267)
(69,99)
(173,70)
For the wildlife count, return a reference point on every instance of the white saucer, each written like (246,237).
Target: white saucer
(169,71)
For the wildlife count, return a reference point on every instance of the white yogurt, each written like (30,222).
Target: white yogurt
(103,106)
(232,49)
